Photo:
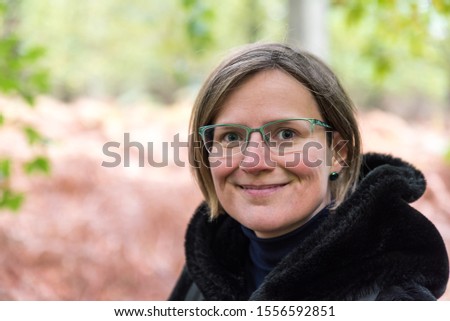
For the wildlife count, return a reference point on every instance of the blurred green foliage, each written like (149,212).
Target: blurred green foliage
(142,49)
(394,47)
(20,75)
(150,49)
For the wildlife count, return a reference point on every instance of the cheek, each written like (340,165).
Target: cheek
(310,160)
(311,169)
(221,169)
(316,154)
(309,173)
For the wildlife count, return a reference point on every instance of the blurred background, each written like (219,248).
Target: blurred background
(84,84)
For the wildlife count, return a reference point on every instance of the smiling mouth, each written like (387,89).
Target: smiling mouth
(261,187)
(261,190)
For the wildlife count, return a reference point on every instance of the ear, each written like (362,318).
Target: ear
(339,150)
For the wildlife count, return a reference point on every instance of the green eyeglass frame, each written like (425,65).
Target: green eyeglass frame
(249,130)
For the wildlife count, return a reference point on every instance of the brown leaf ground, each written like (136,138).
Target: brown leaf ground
(90,232)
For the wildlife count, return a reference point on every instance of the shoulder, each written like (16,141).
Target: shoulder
(407,292)
(405,255)
(391,177)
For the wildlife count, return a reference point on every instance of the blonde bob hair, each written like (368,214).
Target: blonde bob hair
(335,107)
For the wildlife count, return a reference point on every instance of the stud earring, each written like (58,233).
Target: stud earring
(334,176)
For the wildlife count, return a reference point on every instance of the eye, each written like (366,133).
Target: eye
(231,137)
(286,134)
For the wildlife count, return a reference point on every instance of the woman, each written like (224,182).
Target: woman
(293,210)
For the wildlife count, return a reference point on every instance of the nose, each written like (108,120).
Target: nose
(257,156)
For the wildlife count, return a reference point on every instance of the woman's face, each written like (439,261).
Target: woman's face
(271,194)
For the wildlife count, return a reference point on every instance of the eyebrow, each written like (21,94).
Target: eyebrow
(265,122)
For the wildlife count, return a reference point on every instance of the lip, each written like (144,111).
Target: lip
(261,190)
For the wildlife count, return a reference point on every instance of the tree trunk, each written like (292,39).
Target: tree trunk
(308,28)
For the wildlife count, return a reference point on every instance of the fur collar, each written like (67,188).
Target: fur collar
(374,240)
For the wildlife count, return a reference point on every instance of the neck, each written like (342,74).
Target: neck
(266,253)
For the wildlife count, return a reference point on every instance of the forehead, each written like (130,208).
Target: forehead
(266,96)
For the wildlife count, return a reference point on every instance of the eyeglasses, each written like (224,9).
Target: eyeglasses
(282,136)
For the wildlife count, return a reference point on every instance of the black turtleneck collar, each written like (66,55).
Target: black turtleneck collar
(266,253)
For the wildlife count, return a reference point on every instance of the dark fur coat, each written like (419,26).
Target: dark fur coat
(375,246)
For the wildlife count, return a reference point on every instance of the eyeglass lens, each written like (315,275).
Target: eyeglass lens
(281,137)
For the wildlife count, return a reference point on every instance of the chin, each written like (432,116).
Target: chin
(268,228)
